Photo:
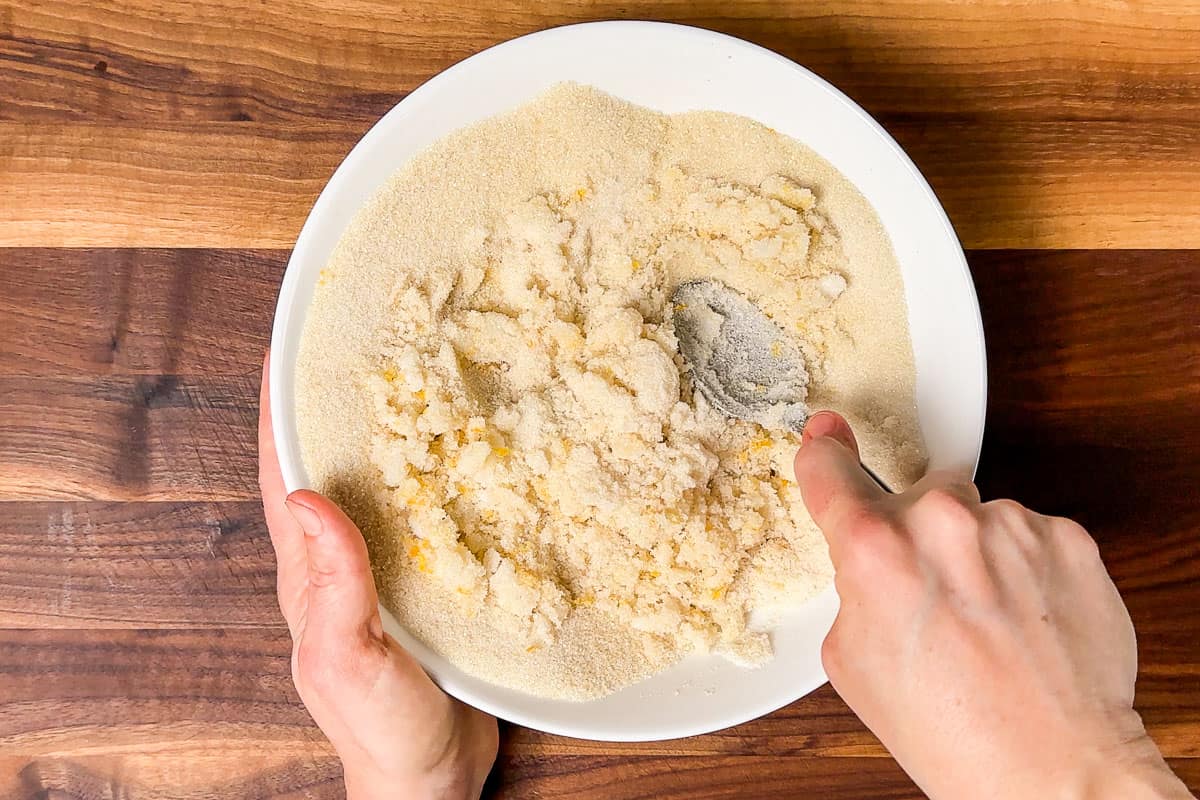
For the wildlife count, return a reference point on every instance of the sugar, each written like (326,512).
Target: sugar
(488,385)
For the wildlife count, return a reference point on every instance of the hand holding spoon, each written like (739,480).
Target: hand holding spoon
(744,364)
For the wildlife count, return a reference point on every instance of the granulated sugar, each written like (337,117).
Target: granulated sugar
(490,385)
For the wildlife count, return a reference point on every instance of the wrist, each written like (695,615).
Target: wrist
(441,784)
(1109,759)
(1138,772)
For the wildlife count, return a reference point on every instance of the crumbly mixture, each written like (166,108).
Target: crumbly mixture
(512,423)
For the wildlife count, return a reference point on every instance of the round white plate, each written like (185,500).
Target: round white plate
(672,68)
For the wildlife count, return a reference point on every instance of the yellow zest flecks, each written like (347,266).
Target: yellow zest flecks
(503,452)
(422,497)
(718,593)
(416,552)
(648,574)
(324,277)
(634,264)
(584,600)
(420,395)
(776,348)
(533,648)
(581,193)
(389,375)
(681,306)
(761,443)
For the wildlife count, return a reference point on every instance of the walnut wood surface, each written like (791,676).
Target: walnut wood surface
(156,162)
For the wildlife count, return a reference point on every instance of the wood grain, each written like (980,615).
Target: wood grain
(136,312)
(141,652)
(1067,363)
(726,777)
(1038,139)
(136,565)
(1051,317)
(1031,184)
(122,438)
(294,60)
(102,184)
(216,716)
(84,567)
(214,693)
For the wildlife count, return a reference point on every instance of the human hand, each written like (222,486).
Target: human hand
(985,645)
(397,734)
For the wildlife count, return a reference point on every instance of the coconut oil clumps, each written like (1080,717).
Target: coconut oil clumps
(491,367)
(543,444)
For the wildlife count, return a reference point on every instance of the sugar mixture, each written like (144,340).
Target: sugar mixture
(490,384)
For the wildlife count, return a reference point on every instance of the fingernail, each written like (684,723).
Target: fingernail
(827,423)
(305,516)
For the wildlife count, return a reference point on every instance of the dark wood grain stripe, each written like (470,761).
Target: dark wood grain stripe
(128,438)
(135,565)
(136,312)
(178,714)
(168,411)
(709,778)
(1108,317)
(80,568)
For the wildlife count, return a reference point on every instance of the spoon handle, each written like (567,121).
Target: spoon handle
(878,480)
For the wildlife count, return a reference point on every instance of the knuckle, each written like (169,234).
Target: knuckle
(943,507)
(1007,510)
(866,525)
(311,665)
(1008,520)
(1075,537)
(871,554)
(832,653)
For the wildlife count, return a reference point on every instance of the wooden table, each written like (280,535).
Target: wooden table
(157,158)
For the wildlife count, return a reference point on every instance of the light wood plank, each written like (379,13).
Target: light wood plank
(180,185)
(297,59)
(243,185)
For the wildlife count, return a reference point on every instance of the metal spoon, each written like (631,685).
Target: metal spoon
(744,364)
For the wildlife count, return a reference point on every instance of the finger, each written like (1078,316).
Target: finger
(835,488)
(830,423)
(342,602)
(947,480)
(286,536)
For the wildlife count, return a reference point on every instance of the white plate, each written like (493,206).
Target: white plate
(672,68)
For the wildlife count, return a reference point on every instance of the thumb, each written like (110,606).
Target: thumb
(341,588)
(835,488)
